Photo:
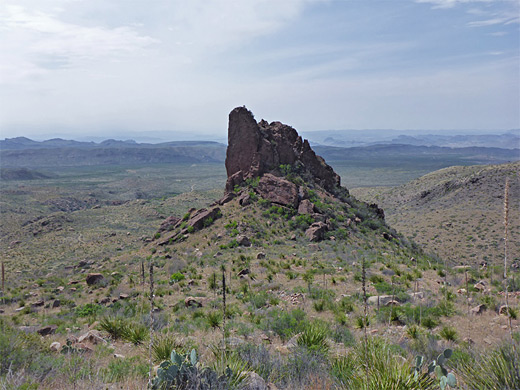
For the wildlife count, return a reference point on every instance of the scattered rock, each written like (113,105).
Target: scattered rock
(93,337)
(38,303)
(243,240)
(243,272)
(253,381)
(118,356)
(169,224)
(95,278)
(478,309)
(480,286)
(123,296)
(244,199)
(55,346)
(316,232)
(382,299)
(192,302)
(19,309)
(47,330)
(260,255)
(502,310)
(104,301)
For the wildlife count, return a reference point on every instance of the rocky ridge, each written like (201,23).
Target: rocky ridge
(270,161)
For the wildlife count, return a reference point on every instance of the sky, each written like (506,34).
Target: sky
(176,68)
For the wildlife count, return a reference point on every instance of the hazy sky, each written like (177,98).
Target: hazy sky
(111,68)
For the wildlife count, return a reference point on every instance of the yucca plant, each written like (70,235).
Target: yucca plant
(115,326)
(314,338)
(448,333)
(385,371)
(497,369)
(163,346)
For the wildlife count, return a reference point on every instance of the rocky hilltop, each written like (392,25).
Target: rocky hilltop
(270,161)
(255,149)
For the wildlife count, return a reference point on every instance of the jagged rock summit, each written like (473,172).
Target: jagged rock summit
(256,149)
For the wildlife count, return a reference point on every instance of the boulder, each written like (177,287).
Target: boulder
(260,255)
(382,299)
(244,199)
(316,232)
(192,302)
(92,336)
(479,309)
(47,330)
(243,240)
(95,278)
(243,272)
(306,207)
(56,303)
(169,223)
(203,217)
(278,190)
(503,310)
(253,381)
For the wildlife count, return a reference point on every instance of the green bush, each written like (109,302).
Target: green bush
(88,309)
(177,277)
(285,324)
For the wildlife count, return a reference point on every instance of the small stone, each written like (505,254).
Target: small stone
(47,330)
(55,346)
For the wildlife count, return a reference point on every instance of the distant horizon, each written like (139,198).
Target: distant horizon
(161,136)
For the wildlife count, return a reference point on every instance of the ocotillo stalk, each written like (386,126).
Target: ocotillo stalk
(151,325)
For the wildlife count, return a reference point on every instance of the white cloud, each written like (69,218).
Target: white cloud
(505,19)
(37,42)
(451,3)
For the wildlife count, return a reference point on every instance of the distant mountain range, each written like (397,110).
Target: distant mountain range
(24,152)
(351,138)
(57,152)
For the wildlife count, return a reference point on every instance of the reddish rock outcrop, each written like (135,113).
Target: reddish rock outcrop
(278,190)
(255,149)
(316,232)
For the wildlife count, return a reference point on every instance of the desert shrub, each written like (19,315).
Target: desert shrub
(177,277)
(88,310)
(214,319)
(121,328)
(163,345)
(260,360)
(115,326)
(448,333)
(385,371)
(342,334)
(497,369)
(285,324)
(302,368)
(314,338)
(135,333)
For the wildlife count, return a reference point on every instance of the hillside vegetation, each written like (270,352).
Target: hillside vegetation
(456,212)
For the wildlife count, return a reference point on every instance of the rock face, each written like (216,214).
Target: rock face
(255,149)
(278,190)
